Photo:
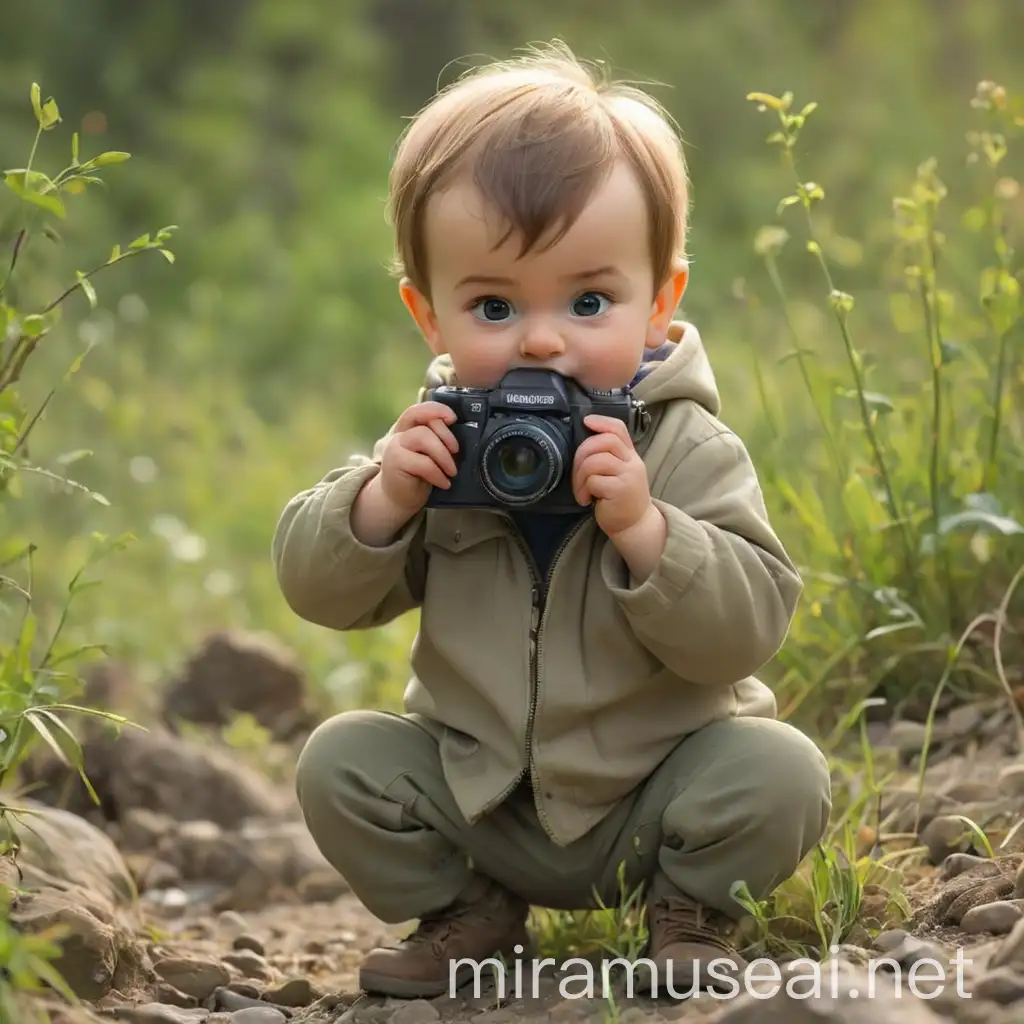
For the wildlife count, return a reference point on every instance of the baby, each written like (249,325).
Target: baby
(583,695)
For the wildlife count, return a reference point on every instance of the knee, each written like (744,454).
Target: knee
(795,781)
(343,746)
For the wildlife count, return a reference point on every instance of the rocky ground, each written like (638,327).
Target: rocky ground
(193,893)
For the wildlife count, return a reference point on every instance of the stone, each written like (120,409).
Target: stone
(241,672)
(957,863)
(158,1013)
(324,886)
(943,836)
(1011,781)
(998,918)
(418,1011)
(251,964)
(182,779)
(246,941)
(98,950)
(1011,952)
(889,940)
(1002,985)
(196,976)
(61,850)
(258,1015)
(295,992)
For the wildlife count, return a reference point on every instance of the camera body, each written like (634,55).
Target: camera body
(517,441)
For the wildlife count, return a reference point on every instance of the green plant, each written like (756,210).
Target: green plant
(921,527)
(37,675)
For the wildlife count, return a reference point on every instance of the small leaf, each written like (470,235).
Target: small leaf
(141,242)
(167,255)
(105,159)
(37,105)
(50,115)
(74,149)
(115,254)
(86,286)
(766,100)
(33,325)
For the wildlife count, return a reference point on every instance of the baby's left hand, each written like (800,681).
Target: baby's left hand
(608,470)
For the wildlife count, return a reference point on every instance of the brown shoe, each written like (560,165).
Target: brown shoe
(689,945)
(485,922)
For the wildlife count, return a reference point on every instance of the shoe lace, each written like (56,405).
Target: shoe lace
(436,928)
(678,920)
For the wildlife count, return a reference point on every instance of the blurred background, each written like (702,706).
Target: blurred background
(217,387)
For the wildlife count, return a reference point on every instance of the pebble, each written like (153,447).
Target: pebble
(419,1011)
(250,942)
(251,964)
(158,1013)
(194,976)
(889,940)
(964,720)
(225,999)
(1011,951)
(1002,985)
(1011,781)
(997,918)
(258,1015)
(294,992)
(943,836)
(957,863)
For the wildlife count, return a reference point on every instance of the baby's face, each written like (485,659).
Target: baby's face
(585,307)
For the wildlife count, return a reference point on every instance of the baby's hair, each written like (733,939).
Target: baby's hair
(538,134)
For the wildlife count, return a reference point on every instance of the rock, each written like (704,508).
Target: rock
(63,851)
(98,950)
(418,1011)
(1011,781)
(997,918)
(234,672)
(1011,951)
(986,882)
(167,993)
(195,976)
(889,940)
(295,992)
(957,863)
(249,942)
(908,737)
(165,774)
(943,836)
(250,964)
(158,1013)
(1002,985)
(322,887)
(142,830)
(964,720)
(258,1015)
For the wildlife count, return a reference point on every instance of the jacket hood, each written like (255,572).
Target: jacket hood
(677,369)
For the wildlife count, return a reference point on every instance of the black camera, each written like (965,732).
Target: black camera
(517,441)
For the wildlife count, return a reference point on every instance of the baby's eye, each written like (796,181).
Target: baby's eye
(590,304)
(492,309)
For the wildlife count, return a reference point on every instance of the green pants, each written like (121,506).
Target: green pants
(742,798)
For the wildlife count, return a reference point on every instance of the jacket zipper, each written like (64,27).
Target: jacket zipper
(538,607)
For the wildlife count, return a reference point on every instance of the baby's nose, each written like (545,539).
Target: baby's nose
(541,342)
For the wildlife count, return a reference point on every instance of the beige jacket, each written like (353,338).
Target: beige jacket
(591,695)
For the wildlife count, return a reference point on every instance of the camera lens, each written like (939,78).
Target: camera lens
(523,461)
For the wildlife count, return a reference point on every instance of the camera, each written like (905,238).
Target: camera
(517,441)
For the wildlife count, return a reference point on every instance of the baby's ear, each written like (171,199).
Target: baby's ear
(666,302)
(422,313)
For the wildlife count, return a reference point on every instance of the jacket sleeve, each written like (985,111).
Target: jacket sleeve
(327,575)
(719,604)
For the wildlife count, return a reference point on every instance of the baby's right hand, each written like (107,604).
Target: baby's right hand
(418,456)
